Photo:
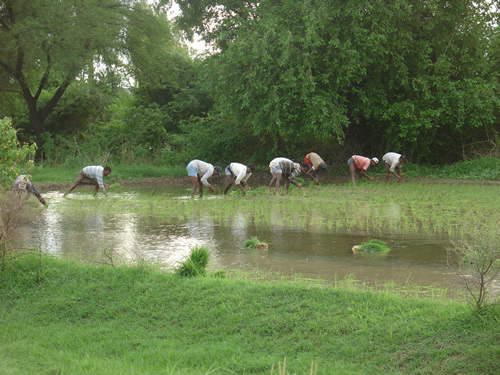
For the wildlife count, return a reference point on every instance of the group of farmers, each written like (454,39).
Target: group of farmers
(283,170)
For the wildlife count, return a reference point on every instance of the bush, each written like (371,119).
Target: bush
(15,159)
(195,264)
(478,257)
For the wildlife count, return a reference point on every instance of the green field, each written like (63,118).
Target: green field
(58,317)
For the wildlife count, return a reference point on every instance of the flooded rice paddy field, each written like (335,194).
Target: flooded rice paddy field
(309,232)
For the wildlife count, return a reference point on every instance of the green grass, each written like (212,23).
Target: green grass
(79,319)
(373,246)
(195,264)
(251,243)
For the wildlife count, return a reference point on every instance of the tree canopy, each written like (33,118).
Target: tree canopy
(409,75)
(47,45)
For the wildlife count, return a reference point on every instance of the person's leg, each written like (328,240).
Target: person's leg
(350,163)
(353,176)
(96,187)
(200,187)
(229,179)
(387,167)
(271,183)
(79,178)
(229,183)
(194,180)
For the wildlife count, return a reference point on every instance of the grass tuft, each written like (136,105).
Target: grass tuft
(372,246)
(195,264)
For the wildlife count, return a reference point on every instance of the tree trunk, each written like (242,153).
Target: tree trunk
(35,121)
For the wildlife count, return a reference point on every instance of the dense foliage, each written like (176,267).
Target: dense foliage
(284,78)
(413,76)
(15,158)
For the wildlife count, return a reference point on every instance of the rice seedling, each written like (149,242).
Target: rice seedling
(371,246)
(255,243)
(195,264)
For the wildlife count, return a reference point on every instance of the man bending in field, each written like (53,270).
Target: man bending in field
(359,164)
(91,175)
(393,160)
(283,167)
(199,172)
(316,164)
(239,174)
(24,185)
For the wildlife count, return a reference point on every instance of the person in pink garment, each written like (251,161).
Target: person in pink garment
(359,164)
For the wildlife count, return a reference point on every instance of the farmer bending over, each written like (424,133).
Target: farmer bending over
(392,161)
(283,167)
(359,164)
(315,163)
(23,184)
(239,174)
(91,175)
(199,172)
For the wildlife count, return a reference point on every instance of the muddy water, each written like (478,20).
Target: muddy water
(313,253)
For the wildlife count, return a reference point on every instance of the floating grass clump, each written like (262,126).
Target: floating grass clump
(255,243)
(371,246)
(195,264)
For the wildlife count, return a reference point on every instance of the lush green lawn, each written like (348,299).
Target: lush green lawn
(80,319)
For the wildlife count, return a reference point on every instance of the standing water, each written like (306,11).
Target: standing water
(311,250)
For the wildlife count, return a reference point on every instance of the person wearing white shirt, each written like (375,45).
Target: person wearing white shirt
(393,160)
(199,172)
(238,174)
(91,175)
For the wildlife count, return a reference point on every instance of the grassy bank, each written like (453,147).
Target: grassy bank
(66,318)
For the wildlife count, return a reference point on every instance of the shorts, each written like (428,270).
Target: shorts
(228,171)
(350,161)
(191,170)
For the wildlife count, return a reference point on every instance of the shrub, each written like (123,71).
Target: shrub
(195,264)
(478,258)
(14,157)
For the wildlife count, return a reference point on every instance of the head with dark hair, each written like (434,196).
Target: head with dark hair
(403,159)
(106,171)
(251,166)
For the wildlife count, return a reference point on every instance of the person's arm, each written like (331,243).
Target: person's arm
(99,178)
(204,178)
(40,198)
(362,172)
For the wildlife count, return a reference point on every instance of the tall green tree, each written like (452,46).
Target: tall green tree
(405,75)
(47,45)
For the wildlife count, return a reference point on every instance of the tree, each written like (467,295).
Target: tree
(409,75)
(47,45)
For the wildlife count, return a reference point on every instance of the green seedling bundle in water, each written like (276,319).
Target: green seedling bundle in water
(371,246)
(377,208)
(255,243)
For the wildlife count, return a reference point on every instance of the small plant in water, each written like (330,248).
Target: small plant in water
(195,264)
(255,243)
(371,246)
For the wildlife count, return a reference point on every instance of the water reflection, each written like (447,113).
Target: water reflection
(300,245)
